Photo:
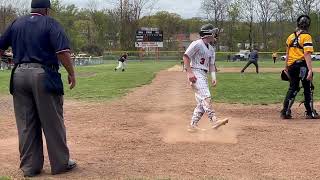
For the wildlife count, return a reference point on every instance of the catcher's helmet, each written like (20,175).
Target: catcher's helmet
(303,22)
(208,30)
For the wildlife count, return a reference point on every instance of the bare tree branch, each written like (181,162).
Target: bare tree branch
(305,6)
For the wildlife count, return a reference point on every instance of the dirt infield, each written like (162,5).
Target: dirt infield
(144,135)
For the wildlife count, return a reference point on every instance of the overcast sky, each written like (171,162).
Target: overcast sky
(185,8)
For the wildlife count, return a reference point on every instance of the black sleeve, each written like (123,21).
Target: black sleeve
(58,37)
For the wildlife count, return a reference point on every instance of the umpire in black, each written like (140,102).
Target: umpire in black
(38,43)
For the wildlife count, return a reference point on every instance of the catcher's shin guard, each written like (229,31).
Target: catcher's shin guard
(311,113)
(286,111)
(287,104)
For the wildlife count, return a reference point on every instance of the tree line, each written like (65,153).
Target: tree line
(246,23)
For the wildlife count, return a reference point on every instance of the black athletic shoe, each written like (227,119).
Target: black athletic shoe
(284,115)
(31,174)
(123,70)
(312,115)
(71,166)
(115,69)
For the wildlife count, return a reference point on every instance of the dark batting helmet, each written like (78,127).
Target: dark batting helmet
(208,30)
(303,22)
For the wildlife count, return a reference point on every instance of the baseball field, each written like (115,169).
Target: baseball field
(132,125)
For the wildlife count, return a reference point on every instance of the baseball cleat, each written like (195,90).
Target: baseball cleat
(220,123)
(312,115)
(193,129)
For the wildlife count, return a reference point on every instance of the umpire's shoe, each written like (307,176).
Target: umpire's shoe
(31,174)
(71,165)
(312,115)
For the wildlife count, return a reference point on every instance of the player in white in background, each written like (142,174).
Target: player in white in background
(199,59)
(122,62)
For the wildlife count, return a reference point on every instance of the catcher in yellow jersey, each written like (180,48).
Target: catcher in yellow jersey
(299,68)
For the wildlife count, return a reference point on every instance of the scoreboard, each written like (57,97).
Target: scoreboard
(149,37)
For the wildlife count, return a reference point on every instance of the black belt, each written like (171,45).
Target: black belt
(299,61)
(29,65)
(201,69)
(36,65)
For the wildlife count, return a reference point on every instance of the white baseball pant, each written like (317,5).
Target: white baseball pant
(203,98)
(122,65)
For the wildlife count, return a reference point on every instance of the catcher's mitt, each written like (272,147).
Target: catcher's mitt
(285,76)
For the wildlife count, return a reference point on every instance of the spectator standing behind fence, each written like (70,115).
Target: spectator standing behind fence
(253,59)
(122,62)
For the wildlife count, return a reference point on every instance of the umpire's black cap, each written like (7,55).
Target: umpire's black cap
(40,4)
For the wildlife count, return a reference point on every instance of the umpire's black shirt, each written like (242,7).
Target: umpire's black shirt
(35,39)
(254,56)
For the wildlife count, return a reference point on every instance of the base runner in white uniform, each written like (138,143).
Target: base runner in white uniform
(199,60)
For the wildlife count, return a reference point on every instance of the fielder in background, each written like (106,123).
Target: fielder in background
(122,62)
(298,67)
(199,59)
(253,59)
(274,57)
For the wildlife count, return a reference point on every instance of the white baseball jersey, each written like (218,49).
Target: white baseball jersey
(200,55)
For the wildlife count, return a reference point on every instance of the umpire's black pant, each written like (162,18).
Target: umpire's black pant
(248,64)
(37,110)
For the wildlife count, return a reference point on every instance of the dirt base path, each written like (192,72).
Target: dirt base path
(144,135)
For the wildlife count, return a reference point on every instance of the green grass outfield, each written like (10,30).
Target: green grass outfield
(102,83)
(264,63)
(250,88)
(4,178)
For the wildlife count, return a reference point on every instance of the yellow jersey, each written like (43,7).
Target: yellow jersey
(274,55)
(298,44)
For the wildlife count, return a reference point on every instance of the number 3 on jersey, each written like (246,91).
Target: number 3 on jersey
(202,61)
